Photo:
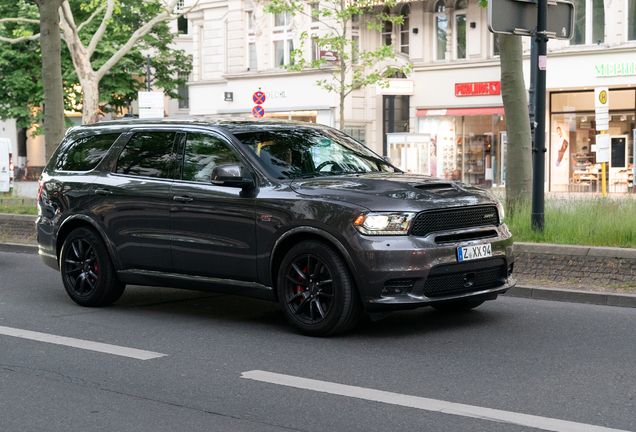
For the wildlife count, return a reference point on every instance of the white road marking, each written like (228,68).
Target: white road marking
(80,343)
(544,423)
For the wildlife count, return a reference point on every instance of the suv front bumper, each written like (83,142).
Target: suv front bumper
(407,272)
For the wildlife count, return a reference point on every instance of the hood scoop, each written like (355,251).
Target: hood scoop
(445,190)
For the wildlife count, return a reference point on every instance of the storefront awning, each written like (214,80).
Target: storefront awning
(460,111)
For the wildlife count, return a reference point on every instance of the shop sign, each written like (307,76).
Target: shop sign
(615,69)
(478,88)
(395,86)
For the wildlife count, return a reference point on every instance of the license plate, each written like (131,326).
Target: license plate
(467,253)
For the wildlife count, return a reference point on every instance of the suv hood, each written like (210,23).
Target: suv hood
(393,191)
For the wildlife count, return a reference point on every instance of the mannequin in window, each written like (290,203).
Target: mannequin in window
(564,145)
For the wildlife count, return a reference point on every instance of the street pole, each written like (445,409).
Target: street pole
(533,87)
(148,73)
(538,150)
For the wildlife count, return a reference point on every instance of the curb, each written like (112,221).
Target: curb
(19,248)
(573,296)
(559,249)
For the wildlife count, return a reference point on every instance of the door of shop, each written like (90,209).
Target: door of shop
(395,116)
(618,172)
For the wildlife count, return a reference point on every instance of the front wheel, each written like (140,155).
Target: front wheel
(87,270)
(458,305)
(316,290)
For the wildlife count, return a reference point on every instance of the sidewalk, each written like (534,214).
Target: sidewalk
(580,274)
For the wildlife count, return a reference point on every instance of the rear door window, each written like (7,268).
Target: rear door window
(84,154)
(148,154)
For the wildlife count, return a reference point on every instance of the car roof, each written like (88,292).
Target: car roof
(231,124)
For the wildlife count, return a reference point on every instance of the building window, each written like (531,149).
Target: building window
(495,45)
(315,12)
(252,64)
(355,49)
(387,28)
(282,37)
(315,50)
(589,22)
(184,93)
(182,22)
(631,19)
(404,29)
(441,23)
(460,29)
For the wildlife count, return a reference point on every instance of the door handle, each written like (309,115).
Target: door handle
(183,199)
(103,192)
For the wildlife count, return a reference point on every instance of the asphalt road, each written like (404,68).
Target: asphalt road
(550,360)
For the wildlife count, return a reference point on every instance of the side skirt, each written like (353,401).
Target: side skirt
(196,283)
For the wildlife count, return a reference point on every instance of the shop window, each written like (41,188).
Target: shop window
(357,132)
(631,19)
(441,24)
(282,37)
(404,29)
(589,22)
(460,29)
(387,29)
(573,165)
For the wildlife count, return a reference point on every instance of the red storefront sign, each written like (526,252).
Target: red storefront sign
(478,88)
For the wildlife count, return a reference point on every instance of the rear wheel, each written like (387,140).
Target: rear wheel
(458,305)
(316,290)
(87,270)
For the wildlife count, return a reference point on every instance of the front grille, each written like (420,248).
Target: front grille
(428,222)
(441,285)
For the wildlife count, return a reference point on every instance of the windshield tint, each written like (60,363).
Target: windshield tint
(299,152)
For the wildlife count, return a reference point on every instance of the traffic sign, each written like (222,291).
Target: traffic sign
(258,111)
(258,97)
(520,17)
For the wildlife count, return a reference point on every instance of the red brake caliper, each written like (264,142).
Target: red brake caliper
(300,289)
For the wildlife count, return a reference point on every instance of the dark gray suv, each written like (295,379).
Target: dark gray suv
(291,212)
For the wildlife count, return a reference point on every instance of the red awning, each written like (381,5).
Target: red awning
(460,111)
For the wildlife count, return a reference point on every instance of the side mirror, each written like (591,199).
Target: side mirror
(231,175)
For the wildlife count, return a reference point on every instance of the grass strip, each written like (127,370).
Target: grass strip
(593,221)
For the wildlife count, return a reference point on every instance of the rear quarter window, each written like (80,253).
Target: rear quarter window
(84,154)
(148,154)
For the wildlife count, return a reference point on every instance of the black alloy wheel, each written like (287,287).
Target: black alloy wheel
(80,267)
(316,290)
(87,270)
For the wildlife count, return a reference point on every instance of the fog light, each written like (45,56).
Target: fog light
(397,287)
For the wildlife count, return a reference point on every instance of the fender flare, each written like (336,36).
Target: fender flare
(100,230)
(321,233)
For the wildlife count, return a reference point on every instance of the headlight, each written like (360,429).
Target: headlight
(384,223)
(500,209)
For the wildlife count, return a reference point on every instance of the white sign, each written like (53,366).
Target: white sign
(601,104)
(602,155)
(150,100)
(396,86)
(602,148)
(147,113)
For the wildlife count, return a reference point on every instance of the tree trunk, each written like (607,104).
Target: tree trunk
(90,107)
(51,46)
(519,154)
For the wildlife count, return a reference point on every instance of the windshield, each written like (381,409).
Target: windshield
(300,152)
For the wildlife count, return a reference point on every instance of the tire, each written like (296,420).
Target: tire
(87,271)
(316,290)
(458,306)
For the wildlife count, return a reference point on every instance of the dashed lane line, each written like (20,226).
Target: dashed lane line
(434,405)
(80,343)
